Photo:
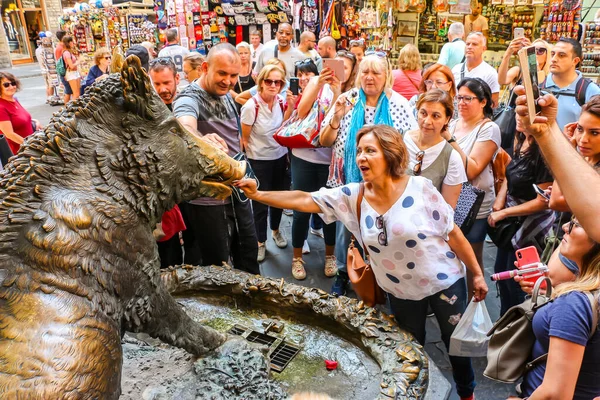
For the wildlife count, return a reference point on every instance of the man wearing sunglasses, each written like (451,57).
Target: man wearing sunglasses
(281,49)
(308,41)
(217,230)
(566,83)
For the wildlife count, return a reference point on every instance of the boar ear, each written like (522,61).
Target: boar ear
(137,88)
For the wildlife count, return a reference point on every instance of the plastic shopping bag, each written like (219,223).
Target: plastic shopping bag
(470,335)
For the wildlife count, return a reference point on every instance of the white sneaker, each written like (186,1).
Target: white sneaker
(298,271)
(262,251)
(305,247)
(279,239)
(317,232)
(330,266)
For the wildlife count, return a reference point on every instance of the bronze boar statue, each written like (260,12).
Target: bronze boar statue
(78,263)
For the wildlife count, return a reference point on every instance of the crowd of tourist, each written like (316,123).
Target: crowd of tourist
(396,146)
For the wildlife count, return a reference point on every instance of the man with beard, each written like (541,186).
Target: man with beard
(308,41)
(281,49)
(217,230)
(476,22)
(165,79)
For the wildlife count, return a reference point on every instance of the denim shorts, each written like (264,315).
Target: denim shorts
(68,89)
(478,231)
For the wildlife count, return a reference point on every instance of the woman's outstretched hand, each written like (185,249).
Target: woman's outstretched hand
(248,186)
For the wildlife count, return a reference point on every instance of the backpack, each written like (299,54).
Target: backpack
(61,67)
(257,107)
(512,337)
(580,90)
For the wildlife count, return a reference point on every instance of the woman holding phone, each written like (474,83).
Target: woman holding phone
(563,327)
(511,76)
(372,102)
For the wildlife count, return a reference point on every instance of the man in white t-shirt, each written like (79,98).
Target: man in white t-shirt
(173,50)
(475,67)
(282,49)
(256,46)
(476,22)
(308,41)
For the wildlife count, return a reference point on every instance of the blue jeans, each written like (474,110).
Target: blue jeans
(342,241)
(510,291)
(412,314)
(478,231)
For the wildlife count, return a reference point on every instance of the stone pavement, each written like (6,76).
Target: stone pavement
(25,70)
(278,261)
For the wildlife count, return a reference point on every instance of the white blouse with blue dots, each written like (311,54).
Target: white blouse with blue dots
(417,262)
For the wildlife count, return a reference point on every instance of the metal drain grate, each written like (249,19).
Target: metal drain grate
(281,353)
(281,357)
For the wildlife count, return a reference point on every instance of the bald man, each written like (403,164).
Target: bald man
(326,47)
(308,41)
(281,49)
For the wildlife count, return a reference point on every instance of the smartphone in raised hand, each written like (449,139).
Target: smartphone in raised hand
(337,66)
(295,86)
(529,71)
(519,33)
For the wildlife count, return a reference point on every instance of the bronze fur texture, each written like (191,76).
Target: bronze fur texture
(78,262)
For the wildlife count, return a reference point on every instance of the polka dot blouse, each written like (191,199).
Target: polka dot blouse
(417,261)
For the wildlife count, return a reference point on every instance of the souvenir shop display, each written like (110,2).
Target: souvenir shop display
(100,24)
(561,19)
(590,66)
(504,18)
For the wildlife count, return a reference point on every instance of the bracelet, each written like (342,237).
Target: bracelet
(331,126)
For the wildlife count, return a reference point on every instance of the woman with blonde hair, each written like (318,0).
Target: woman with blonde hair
(407,78)
(371,101)
(511,76)
(246,95)
(260,118)
(245,80)
(192,66)
(100,70)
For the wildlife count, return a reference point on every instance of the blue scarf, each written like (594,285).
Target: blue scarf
(382,117)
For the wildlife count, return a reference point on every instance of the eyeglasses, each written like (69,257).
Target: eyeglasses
(273,82)
(378,53)
(573,222)
(8,84)
(540,51)
(438,83)
(419,164)
(465,99)
(382,237)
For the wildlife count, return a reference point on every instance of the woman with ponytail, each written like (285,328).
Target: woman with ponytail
(371,102)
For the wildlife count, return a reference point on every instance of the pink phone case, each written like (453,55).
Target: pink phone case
(525,257)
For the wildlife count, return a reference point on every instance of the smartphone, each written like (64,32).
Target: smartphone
(526,257)
(294,86)
(529,72)
(519,33)
(540,191)
(337,66)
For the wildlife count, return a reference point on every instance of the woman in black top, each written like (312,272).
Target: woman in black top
(517,198)
(245,79)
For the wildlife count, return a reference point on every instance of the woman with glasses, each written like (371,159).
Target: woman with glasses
(372,102)
(563,328)
(260,118)
(518,200)
(430,155)
(407,78)
(72,65)
(243,97)
(511,76)
(15,122)
(100,70)
(415,249)
(436,76)
(477,139)
(192,66)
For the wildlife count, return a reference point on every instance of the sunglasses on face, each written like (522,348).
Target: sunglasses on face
(419,164)
(273,82)
(540,51)
(573,222)
(465,99)
(382,237)
(107,57)
(8,84)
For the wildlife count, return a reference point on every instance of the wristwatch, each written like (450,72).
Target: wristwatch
(452,139)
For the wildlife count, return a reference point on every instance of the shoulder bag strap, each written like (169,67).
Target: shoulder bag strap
(359,199)
(594,302)
(276,51)
(462,71)
(411,81)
